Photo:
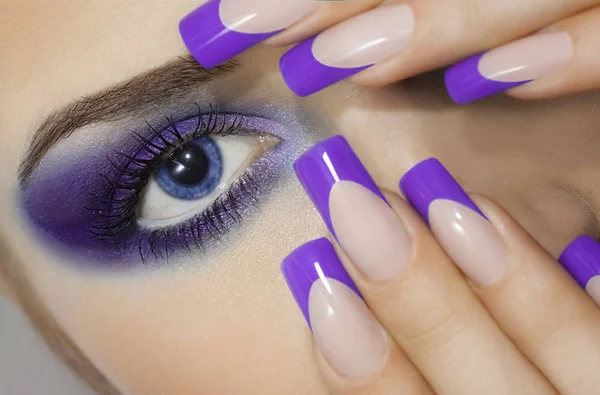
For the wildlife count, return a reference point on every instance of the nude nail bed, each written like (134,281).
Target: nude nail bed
(346,331)
(219,30)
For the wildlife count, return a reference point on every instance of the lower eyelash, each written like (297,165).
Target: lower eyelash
(115,210)
(213,222)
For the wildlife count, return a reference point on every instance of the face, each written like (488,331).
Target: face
(150,202)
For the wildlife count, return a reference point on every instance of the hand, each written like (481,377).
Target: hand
(512,42)
(445,294)
(407,38)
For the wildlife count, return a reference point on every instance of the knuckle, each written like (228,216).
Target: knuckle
(546,315)
(432,329)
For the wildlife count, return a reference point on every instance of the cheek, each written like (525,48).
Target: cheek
(553,215)
(213,332)
(224,325)
(519,171)
(387,139)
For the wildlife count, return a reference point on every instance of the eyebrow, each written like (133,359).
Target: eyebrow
(173,79)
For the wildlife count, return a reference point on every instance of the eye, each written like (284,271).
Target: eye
(193,171)
(188,180)
(163,189)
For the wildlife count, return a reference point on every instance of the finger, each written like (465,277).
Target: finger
(323,16)
(560,61)
(581,259)
(410,284)
(580,72)
(465,27)
(218,30)
(347,48)
(533,300)
(402,39)
(509,66)
(356,355)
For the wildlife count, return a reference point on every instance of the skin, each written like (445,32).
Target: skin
(496,24)
(226,324)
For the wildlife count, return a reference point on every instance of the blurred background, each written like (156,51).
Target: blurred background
(27,367)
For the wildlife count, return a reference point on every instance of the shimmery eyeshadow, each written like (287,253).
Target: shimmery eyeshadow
(64,196)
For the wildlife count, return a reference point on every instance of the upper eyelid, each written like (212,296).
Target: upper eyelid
(164,140)
(176,78)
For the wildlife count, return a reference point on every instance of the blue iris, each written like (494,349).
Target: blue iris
(192,171)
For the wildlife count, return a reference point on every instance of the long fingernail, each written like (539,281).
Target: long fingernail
(458,224)
(581,259)
(343,326)
(354,209)
(221,29)
(508,66)
(347,48)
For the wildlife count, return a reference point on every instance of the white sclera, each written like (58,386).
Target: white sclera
(262,16)
(159,209)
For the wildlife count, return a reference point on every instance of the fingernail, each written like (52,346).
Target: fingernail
(581,259)
(221,29)
(343,326)
(347,48)
(461,228)
(508,66)
(354,209)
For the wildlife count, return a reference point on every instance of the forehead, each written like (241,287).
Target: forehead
(53,51)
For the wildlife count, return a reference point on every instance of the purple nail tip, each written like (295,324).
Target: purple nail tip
(465,84)
(209,41)
(305,75)
(326,163)
(313,261)
(428,181)
(581,259)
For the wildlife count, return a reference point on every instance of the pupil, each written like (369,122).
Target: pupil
(188,165)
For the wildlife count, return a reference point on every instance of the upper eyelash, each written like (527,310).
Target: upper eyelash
(137,171)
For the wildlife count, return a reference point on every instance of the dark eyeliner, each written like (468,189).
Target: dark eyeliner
(116,209)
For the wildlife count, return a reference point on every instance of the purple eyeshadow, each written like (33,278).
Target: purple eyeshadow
(86,204)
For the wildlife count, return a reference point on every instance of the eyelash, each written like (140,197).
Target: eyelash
(116,219)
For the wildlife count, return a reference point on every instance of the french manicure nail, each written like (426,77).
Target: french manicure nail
(343,326)
(461,228)
(581,259)
(347,48)
(354,209)
(508,66)
(221,29)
